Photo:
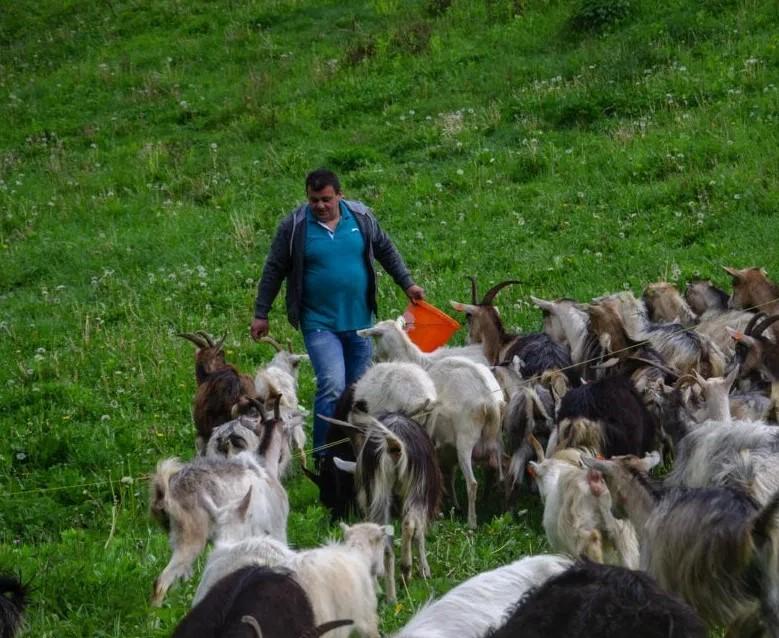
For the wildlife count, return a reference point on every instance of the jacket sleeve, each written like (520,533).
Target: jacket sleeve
(277,265)
(388,256)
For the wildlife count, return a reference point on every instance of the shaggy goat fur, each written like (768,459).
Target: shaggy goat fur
(184,495)
(473,607)
(254,602)
(703,296)
(577,512)
(599,601)
(715,547)
(397,469)
(664,303)
(740,454)
(13,600)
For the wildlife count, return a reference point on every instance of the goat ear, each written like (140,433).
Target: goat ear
(345,466)
(549,306)
(601,466)
(243,506)
(389,530)
(733,272)
(740,337)
(344,528)
(467,308)
(650,460)
(534,469)
(596,483)
(368,332)
(731,377)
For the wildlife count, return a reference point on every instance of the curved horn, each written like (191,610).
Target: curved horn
(758,316)
(328,626)
(685,380)
(208,338)
(474,294)
(537,447)
(761,328)
(272,341)
(490,294)
(195,338)
(252,622)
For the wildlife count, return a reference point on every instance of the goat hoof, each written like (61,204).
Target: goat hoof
(405,572)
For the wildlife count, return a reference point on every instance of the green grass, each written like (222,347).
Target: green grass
(148,151)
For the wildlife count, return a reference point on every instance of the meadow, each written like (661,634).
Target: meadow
(148,150)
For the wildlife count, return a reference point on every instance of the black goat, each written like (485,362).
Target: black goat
(254,602)
(589,600)
(608,416)
(336,487)
(13,600)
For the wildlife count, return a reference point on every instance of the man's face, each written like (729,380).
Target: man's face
(324,203)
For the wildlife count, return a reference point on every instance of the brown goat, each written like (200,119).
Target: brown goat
(538,352)
(754,290)
(222,392)
(665,303)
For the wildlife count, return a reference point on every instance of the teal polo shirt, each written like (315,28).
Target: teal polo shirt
(335,277)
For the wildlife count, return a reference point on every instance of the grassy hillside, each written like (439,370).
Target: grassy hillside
(148,150)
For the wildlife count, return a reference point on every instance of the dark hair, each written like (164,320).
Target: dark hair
(322,178)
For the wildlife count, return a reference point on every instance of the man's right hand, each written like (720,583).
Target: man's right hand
(259,328)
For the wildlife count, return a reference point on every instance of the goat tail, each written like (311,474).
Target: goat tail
(490,433)
(13,600)
(764,524)
(158,487)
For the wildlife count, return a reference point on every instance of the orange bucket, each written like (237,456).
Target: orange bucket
(427,326)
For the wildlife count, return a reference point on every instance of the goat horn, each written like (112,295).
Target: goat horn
(272,341)
(753,321)
(328,626)
(344,424)
(537,447)
(197,339)
(474,294)
(761,328)
(684,380)
(252,622)
(490,294)
(208,338)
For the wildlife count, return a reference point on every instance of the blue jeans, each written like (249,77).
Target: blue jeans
(338,359)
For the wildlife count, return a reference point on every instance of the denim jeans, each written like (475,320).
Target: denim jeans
(338,359)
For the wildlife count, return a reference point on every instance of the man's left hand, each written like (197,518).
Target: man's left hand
(415,293)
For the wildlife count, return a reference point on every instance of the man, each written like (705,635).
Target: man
(325,249)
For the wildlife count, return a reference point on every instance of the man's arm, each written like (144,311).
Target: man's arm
(277,265)
(391,260)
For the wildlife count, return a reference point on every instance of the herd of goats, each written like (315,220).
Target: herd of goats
(587,407)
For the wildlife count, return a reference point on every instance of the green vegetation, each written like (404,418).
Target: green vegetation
(149,149)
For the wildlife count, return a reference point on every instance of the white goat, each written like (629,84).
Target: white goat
(340,578)
(481,603)
(577,511)
(467,416)
(280,378)
(182,496)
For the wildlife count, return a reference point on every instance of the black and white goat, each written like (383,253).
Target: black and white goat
(604,601)
(254,602)
(385,387)
(396,468)
(13,601)
(472,608)
(715,547)
(607,416)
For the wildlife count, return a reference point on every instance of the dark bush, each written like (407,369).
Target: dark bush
(599,15)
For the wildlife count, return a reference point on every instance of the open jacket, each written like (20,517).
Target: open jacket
(287,254)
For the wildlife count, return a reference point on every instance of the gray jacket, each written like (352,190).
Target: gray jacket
(287,253)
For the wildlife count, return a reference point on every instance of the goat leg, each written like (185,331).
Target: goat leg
(464,456)
(180,566)
(389,572)
(406,558)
